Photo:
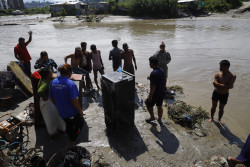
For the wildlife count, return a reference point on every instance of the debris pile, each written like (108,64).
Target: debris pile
(186,115)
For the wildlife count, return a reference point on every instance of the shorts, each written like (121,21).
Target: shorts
(129,69)
(222,98)
(99,69)
(155,100)
(73,126)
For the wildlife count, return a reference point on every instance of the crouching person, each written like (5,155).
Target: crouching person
(53,121)
(63,93)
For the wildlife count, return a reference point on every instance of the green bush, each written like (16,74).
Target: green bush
(217,5)
(235,3)
(29,11)
(151,8)
(221,5)
(155,8)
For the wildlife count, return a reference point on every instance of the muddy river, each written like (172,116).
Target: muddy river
(195,44)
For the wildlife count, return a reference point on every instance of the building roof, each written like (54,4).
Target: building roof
(69,2)
(182,1)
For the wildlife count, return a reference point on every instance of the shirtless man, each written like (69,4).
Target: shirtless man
(223,81)
(78,61)
(128,55)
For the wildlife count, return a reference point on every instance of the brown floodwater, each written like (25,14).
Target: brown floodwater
(196,46)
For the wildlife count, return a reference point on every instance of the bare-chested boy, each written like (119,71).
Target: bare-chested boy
(77,62)
(223,81)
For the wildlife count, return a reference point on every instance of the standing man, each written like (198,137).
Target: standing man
(63,94)
(156,94)
(128,55)
(22,54)
(163,59)
(114,55)
(223,81)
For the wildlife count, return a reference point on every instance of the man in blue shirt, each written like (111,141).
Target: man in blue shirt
(63,93)
(157,87)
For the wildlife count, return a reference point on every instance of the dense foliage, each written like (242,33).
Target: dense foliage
(221,5)
(211,5)
(152,8)
(5,12)
(45,10)
(29,11)
(168,8)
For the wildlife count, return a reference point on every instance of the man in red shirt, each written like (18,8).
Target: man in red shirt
(22,54)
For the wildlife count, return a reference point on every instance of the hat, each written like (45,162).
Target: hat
(78,49)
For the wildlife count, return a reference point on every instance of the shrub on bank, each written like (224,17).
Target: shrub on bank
(221,5)
(30,11)
(5,12)
(140,8)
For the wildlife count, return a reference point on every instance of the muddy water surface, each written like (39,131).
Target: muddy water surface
(196,46)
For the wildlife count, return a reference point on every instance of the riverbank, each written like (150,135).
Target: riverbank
(144,144)
(241,13)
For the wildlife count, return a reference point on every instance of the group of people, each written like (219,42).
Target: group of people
(60,94)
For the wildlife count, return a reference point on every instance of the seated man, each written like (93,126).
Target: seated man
(44,61)
(77,62)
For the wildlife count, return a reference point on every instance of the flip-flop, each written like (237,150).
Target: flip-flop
(150,120)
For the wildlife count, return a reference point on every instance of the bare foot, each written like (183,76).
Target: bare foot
(220,123)
(210,120)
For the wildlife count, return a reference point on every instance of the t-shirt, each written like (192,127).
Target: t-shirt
(49,63)
(63,91)
(22,53)
(115,54)
(157,78)
(43,88)
(163,58)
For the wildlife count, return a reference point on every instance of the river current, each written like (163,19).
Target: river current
(196,46)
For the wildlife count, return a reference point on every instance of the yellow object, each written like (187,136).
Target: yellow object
(21,76)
